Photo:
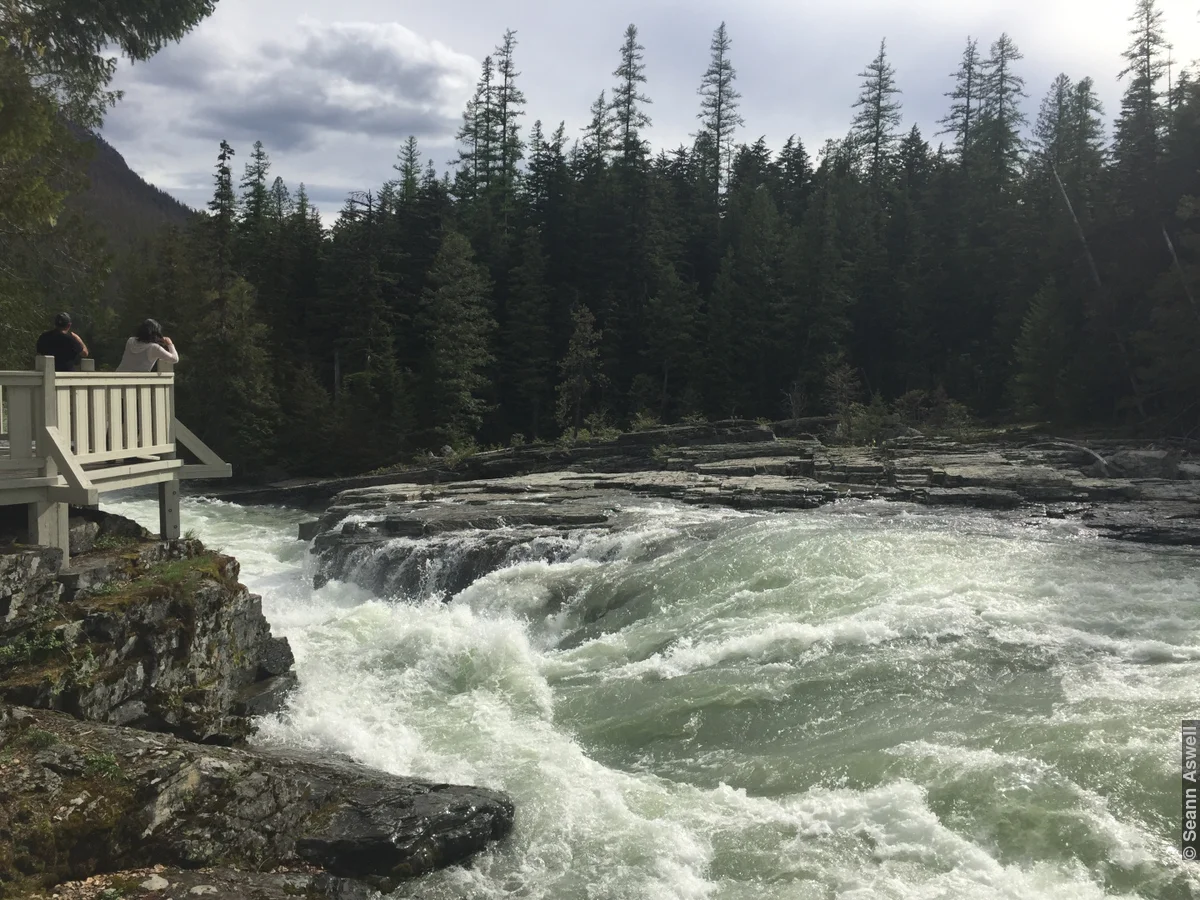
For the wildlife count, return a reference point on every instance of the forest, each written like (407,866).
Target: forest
(1021,264)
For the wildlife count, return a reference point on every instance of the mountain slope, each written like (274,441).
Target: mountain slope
(125,207)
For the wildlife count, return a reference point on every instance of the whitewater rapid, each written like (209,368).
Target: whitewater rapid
(863,701)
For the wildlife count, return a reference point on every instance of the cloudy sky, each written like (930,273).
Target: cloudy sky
(332,87)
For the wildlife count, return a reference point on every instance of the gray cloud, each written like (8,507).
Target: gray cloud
(382,81)
(293,117)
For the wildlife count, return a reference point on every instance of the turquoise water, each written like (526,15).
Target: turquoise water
(864,701)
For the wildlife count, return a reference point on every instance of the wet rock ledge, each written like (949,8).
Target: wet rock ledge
(128,687)
(471,526)
(78,798)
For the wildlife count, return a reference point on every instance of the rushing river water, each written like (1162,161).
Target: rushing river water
(866,701)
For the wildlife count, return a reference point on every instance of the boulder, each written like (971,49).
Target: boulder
(1145,463)
(29,587)
(82,534)
(162,638)
(80,798)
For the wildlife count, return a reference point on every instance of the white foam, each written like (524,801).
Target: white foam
(959,621)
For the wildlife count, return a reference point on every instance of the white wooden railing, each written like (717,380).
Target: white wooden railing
(67,437)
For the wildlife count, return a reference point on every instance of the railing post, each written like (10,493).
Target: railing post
(169,519)
(48,521)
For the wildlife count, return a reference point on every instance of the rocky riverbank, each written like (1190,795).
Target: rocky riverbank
(128,687)
(1125,492)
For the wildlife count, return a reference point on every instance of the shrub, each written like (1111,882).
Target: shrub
(645,421)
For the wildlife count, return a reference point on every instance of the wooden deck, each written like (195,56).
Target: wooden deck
(68,437)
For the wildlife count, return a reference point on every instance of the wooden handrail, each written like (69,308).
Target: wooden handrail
(73,435)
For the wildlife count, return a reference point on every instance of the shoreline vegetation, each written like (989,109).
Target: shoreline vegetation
(1024,262)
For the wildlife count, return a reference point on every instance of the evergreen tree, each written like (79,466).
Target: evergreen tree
(628,99)
(479,137)
(527,337)
(719,107)
(876,123)
(578,369)
(963,117)
(409,167)
(669,328)
(509,106)
(228,392)
(793,178)
(67,51)
(597,137)
(1139,129)
(712,278)
(223,207)
(1000,143)
(255,194)
(457,326)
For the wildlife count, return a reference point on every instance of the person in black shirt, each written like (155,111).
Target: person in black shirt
(62,343)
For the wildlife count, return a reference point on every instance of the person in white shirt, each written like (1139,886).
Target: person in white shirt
(146,348)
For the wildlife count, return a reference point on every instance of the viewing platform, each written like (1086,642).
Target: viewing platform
(68,437)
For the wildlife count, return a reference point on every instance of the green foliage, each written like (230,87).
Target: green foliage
(1017,271)
(115,542)
(644,421)
(67,45)
(578,370)
(37,739)
(458,327)
(49,256)
(102,765)
(23,650)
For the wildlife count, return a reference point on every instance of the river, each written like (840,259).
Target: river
(862,701)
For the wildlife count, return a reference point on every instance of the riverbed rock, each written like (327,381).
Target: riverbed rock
(410,539)
(215,883)
(29,586)
(80,798)
(156,635)
(1145,463)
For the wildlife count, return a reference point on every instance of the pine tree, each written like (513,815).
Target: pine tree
(1138,143)
(875,125)
(254,237)
(458,327)
(255,191)
(597,137)
(578,369)
(628,99)
(1001,121)
(228,392)
(794,179)
(279,203)
(719,107)
(509,106)
(409,167)
(478,157)
(223,208)
(527,336)
(963,117)
(723,375)
(1042,355)
(669,327)
(47,255)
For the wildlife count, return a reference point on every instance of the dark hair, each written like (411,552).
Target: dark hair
(149,332)
(62,320)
